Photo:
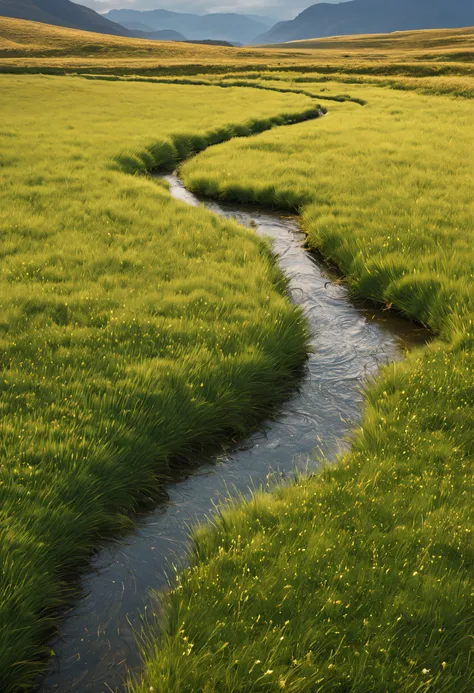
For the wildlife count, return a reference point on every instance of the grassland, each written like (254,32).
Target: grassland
(399,145)
(135,330)
(36,47)
(431,62)
(361,578)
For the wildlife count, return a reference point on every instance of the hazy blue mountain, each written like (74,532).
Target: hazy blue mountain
(371,16)
(236,28)
(164,35)
(135,26)
(267,21)
(61,13)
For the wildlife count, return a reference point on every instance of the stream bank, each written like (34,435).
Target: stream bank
(97,644)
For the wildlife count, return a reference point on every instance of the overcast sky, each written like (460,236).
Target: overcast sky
(280,9)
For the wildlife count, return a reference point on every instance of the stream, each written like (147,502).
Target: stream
(97,642)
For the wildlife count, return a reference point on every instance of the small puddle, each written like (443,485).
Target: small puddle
(97,644)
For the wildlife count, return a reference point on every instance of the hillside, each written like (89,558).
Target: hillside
(31,45)
(371,17)
(220,26)
(438,44)
(61,13)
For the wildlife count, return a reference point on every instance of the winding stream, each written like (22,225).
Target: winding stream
(97,642)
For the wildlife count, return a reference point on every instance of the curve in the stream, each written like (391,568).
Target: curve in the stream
(97,644)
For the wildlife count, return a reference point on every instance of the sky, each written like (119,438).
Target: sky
(279,9)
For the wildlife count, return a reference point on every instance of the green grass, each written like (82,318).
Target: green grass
(360,578)
(402,155)
(459,85)
(134,330)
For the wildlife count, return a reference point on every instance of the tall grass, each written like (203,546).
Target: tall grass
(133,329)
(361,577)
(403,155)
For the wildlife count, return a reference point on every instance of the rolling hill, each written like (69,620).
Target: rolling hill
(61,13)
(32,45)
(235,28)
(371,17)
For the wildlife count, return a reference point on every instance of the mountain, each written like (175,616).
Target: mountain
(61,13)
(164,35)
(135,26)
(235,28)
(371,17)
(267,21)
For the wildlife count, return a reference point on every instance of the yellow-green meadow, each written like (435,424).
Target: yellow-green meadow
(360,578)
(136,331)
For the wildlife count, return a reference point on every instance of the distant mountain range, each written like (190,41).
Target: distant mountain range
(371,17)
(236,28)
(163,35)
(155,25)
(61,13)
(267,21)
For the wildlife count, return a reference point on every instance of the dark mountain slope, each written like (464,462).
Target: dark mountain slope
(371,17)
(224,27)
(61,13)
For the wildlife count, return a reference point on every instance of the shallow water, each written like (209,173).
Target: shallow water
(97,642)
